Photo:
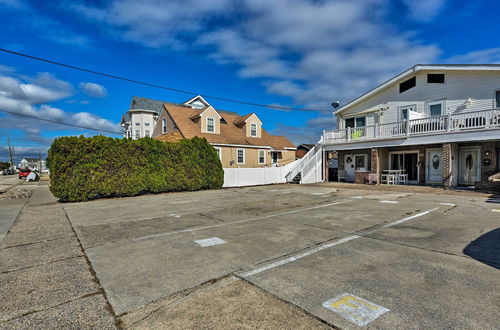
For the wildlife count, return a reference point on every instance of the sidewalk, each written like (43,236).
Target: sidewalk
(46,280)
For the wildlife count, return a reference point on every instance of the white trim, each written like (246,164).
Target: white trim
(210,107)
(403,107)
(434,102)
(238,158)
(290,149)
(428,164)
(253,115)
(365,167)
(413,70)
(251,127)
(258,156)
(206,125)
(220,152)
(479,163)
(407,152)
(197,97)
(240,145)
(163,127)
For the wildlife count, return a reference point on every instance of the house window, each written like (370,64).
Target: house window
(137,124)
(164,125)
(408,84)
(360,162)
(219,152)
(435,78)
(240,156)
(253,130)
(210,124)
(146,124)
(147,133)
(355,122)
(137,134)
(262,156)
(436,109)
(497,98)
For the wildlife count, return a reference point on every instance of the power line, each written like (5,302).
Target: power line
(60,122)
(276,107)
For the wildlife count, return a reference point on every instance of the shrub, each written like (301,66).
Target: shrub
(84,168)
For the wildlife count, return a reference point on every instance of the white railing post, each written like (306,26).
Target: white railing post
(376,131)
(348,134)
(407,124)
(448,122)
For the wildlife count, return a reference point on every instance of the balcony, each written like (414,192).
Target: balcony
(451,123)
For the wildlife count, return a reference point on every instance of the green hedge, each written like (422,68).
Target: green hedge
(84,168)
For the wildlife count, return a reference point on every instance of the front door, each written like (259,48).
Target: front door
(468,166)
(274,157)
(434,166)
(349,167)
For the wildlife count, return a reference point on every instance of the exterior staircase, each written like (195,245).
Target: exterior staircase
(309,169)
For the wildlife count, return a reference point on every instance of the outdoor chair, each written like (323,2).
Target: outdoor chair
(341,175)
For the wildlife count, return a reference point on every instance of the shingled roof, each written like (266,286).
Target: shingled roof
(230,133)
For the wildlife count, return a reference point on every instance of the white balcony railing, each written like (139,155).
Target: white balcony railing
(474,120)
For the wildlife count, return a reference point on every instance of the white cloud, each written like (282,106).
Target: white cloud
(424,10)
(313,52)
(93,90)
(486,56)
(27,95)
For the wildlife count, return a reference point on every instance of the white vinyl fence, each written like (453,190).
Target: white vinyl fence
(239,177)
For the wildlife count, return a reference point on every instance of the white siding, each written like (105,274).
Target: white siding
(479,86)
(142,118)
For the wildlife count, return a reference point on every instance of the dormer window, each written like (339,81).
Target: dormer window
(210,124)
(253,130)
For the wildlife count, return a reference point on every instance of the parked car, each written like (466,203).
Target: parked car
(33,176)
(24,173)
(8,171)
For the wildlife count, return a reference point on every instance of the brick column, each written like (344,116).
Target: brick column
(447,165)
(375,163)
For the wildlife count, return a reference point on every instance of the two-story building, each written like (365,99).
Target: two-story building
(438,124)
(240,141)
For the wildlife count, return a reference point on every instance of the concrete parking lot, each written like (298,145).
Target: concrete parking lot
(344,257)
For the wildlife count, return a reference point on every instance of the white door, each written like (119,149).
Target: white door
(468,166)
(349,167)
(434,166)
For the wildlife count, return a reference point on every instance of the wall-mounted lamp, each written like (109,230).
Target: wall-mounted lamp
(487,153)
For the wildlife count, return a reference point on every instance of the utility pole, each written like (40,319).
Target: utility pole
(40,162)
(11,151)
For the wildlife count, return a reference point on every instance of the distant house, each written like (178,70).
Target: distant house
(240,141)
(34,164)
(302,150)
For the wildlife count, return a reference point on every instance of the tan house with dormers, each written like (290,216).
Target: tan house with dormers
(240,141)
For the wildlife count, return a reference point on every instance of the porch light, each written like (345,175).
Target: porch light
(487,153)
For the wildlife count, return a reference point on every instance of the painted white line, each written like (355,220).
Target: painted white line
(389,202)
(357,197)
(329,245)
(495,210)
(235,222)
(210,241)
(447,204)
(355,309)
(404,219)
(299,256)
(174,215)
(318,194)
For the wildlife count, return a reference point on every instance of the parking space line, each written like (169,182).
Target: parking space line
(447,204)
(236,222)
(389,202)
(210,241)
(329,245)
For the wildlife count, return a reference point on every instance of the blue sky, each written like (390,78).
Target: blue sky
(282,52)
